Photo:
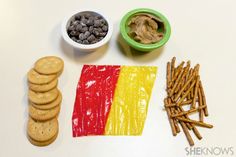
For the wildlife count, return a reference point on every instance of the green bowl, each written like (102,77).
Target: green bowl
(124,29)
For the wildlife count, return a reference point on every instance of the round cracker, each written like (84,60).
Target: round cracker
(42,131)
(43,98)
(43,87)
(49,105)
(44,143)
(49,65)
(43,115)
(36,78)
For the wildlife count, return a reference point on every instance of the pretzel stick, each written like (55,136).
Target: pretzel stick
(180,109)
(201,112)
(183,88)
(204,99)
(182,104)
(195,92)
(170,119)
(176,73)
(190,74)
(168,76)
(187,134)
(196,132)
(176,82)
(172,111)
(188,112)
(172,68)
(195,122)
(184,96)
(186,69)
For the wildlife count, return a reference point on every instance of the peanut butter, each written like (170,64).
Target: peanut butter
(143,28)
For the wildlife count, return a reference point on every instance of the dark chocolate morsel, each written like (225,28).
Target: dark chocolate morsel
(91,38)
(105,28)
(78,27)
(85,42)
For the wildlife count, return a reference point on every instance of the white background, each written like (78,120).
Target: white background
(203,31)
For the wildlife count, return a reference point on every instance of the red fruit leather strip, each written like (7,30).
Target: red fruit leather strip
(93,100)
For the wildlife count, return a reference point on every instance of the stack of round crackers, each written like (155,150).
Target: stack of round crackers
(44,100)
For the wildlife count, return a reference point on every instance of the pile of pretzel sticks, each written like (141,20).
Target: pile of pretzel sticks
(185,90)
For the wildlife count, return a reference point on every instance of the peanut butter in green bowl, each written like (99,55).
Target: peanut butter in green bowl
(145,29)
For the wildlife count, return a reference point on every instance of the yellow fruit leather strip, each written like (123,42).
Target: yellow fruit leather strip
(130,103)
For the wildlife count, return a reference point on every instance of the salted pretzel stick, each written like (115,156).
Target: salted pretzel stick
(186,69)
(170,119)
(183,88)
(195,92)
(195,122)
(190,74)
(172,68)
(186,93)
(168,76)
(172,111)
(176,82)
(201,112)
(187,134)
(196,132)
(182,104)
(188,112)
(176,73)
(189,126)
(204,99)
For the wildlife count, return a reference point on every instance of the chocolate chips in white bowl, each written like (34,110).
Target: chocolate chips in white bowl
(87,28)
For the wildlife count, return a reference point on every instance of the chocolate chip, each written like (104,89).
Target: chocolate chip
(102,34)
(84,22)
(90,22)
(75,23)
(77,17)
(95,32)
(87,15)
(81,36)
(84,29)
(105,28)
(94,41)
(98,29)
(71,28)
(78,27)
(74,39)
(73,33)
(79,41)
(91,29)
(86,34)
(98,17)
(85,42)
(97,23)
(91,38)
(103,21)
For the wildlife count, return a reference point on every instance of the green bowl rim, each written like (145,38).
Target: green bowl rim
(138,45)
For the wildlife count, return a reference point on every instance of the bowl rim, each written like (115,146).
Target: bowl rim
(84,46)
(140,46)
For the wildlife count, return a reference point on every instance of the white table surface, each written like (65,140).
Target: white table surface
(202,31)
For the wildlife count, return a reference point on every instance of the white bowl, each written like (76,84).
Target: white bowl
(84,47)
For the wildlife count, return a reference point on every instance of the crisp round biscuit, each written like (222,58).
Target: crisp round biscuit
(36,78)
(43,87)
(44,143)
(42,131)
(49,65)
(43,115)
(49,105)
(43,98)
